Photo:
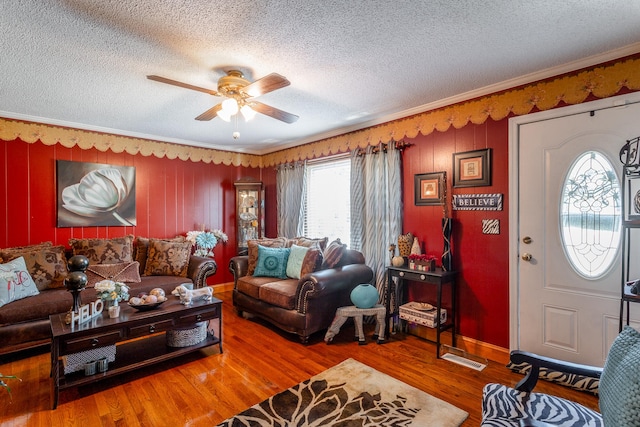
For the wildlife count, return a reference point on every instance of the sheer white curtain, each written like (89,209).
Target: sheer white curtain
(290,183)
(376,205)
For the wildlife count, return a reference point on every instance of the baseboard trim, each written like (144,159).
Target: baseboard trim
(222,287)
(469,345)
(483,349)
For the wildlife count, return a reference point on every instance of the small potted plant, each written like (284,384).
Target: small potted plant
(422,262)
(204,241)
(415,260)
(112,293)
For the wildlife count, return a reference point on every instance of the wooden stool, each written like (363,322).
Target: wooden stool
(343,313)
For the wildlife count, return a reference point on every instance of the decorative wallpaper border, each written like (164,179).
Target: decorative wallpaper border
(68,137)
(601,82)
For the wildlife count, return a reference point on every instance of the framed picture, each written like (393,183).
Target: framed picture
(95,194)
(472,168)
(429,188)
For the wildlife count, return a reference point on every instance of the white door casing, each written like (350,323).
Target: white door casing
(553,310)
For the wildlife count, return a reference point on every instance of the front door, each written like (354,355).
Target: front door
(568,284)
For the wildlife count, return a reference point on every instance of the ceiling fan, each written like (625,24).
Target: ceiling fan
(239,93)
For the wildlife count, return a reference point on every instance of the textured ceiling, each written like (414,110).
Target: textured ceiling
(83,63)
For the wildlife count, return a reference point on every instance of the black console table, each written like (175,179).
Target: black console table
(436,278)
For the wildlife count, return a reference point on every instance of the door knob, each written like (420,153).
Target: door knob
(526,257)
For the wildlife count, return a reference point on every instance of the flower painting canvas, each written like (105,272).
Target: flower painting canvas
(94,194)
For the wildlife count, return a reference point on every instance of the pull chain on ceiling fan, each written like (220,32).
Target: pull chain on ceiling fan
(239,93)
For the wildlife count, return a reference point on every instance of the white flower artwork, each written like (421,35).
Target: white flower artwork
(92,194)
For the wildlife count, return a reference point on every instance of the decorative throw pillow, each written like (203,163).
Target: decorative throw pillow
(295,260)
(104,251)
(15,282)
(20,249)
(312,261)
(278,242)
(167,258)
(141,247)
(312,243)
(126,272)
(620,381)
(272,262)
(46,264)
(575,381)
(333,254)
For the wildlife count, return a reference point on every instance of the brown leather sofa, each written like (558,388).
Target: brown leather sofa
(25,323)
(300,306)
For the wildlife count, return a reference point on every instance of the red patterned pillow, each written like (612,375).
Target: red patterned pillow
(167,258)
(333,254)
(126,272)
(104,251)
(312,261)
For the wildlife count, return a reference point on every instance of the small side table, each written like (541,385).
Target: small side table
(437,278)
(343,313)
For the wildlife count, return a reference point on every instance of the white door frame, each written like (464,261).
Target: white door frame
(514,213)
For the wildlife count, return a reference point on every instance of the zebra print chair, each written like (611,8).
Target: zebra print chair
(619,392)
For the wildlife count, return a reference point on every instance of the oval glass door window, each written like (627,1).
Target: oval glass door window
(590,215)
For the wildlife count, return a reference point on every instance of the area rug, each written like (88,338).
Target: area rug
(348,395)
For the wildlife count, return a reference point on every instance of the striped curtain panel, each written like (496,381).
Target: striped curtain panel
(290,182)
(376,206)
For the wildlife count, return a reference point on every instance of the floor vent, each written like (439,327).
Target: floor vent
(464,361)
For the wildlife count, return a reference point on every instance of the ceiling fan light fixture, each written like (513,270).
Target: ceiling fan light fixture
(247,112)
(237,92)
(224,115)
(230,106)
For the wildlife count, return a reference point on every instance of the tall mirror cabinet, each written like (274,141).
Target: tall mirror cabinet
(249,213)
(630,157)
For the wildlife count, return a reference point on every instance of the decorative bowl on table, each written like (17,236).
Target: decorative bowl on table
(423,306)
(145,302)
(146,306)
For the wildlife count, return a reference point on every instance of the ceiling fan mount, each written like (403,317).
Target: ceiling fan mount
(232,84)
(235,86)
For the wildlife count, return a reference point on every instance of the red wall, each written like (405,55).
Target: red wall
(172,197)
(481,259)
(175,196)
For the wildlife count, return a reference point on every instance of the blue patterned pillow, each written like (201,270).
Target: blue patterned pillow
(272,262)
(620,381)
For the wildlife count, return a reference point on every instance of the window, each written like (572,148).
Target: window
(328,200)
(590,215)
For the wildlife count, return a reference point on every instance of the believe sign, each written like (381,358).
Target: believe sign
(477,202)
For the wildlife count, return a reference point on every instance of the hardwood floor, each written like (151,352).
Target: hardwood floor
(258,361)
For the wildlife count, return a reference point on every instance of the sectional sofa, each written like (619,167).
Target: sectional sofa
(299,294)
(143,264)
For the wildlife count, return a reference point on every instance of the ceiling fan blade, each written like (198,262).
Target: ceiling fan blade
(184,85)
(266,84)
(210,113)
(273,112)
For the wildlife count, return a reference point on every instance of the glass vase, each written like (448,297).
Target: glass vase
(114,309)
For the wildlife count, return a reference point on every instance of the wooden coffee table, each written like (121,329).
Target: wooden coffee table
(139,335)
